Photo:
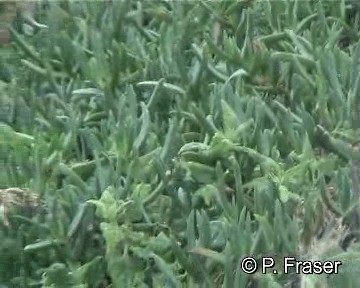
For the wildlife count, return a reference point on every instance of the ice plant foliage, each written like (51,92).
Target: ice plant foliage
(168,140)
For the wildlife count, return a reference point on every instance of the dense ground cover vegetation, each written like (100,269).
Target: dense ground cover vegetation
(163,141)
